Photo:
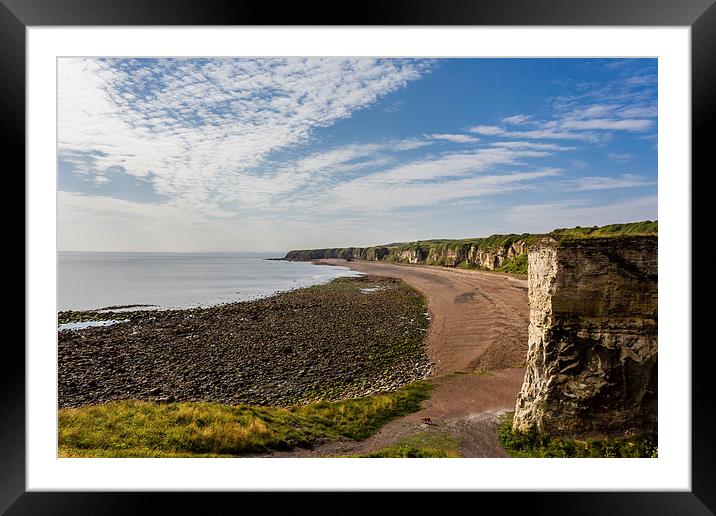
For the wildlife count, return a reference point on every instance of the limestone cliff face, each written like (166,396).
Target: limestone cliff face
(496,257)
(592,358)
(448,255)
(443,256)
(409,255)
(505,252)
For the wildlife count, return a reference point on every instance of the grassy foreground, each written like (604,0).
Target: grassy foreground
(139,429)
(531,444)
(422,445)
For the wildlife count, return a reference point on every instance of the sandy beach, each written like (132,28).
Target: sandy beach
(478,318)
(478,341)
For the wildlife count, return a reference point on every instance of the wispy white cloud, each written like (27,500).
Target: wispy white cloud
(643,111)
(455,138)
(406,144)
(199,126)
(434,179)
(488,130)
(516,119)
(627,124)
(589,116)
(450,175)
(533,145)
(607,182)
(451,165)
(552,134)
(383,194)
(394,107)
(321,161)
(640,80)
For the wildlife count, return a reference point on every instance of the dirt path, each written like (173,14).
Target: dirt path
(478,342)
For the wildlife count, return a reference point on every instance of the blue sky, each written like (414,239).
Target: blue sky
(276,154)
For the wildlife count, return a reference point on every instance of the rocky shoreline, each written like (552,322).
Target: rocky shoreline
(352,337)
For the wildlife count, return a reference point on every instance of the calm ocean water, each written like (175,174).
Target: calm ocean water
(179,280)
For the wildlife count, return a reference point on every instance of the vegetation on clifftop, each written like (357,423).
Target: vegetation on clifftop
(518,265)
(644,228)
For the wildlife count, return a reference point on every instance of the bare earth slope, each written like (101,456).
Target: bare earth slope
(479,324)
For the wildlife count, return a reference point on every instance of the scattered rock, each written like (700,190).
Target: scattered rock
(352,345)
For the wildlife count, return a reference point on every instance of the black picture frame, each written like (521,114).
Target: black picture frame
(699,15)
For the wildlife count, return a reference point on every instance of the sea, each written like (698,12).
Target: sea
(92,281)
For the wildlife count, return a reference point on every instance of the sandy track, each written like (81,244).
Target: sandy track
(478,319)
(468,406)
(479,323)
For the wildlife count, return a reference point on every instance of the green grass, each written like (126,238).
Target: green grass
(517,265)
(422,445)
(646,227)
(531,444)
(139,429)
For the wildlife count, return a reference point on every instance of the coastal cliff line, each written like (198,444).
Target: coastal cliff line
(505,253)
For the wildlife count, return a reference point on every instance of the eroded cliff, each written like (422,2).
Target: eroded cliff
(507,253)
(592,358)
(489,253)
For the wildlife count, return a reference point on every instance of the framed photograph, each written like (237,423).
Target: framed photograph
(241,227)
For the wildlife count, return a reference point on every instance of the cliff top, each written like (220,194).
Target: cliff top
(642,228)
(597,241)
(645,228)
